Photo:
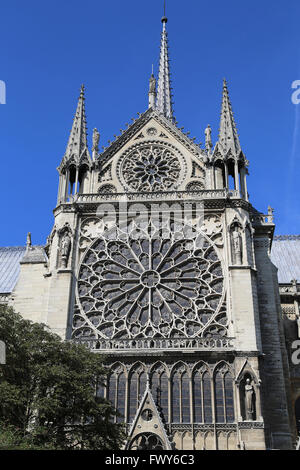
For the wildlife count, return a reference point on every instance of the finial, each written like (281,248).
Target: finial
(164,18)
(82,90)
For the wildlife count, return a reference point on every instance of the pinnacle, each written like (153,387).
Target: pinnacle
(228,136)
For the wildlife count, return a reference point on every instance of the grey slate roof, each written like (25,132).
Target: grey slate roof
(10,258)
(285,254)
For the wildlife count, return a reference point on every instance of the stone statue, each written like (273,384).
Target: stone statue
(96,138)
(270,214)
(65,249)
(208,142)
(237,246)
(152,85)
(28,240)
(249,400)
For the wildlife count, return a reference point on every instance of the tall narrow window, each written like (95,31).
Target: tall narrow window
(181,397)
(197,397)
(121,397)
(219,398)
(207,404)
(229,405)
(224,395)
(176,398)
(160,391)
(137,387)
(185,399)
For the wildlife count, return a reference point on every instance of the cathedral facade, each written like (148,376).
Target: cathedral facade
(158,260)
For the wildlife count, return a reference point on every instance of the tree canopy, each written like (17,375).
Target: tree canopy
(48,391)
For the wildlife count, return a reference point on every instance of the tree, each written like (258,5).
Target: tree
(48,390)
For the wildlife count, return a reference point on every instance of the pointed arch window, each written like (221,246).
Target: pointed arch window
(137,387)
(116,392)
(181,396)
(202,403)
(224,406)
(160,391)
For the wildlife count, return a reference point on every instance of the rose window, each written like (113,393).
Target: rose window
(151,168)
(150,285)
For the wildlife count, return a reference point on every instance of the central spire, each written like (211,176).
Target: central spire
(164,96)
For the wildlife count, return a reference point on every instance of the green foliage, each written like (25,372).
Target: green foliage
(47,390)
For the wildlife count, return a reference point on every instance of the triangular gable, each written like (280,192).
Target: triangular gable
(134,130)
(148,421)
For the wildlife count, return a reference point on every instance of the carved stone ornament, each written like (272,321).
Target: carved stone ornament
(151,167)
(141,284)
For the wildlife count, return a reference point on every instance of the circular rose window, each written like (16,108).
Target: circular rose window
(150,283)
(151,167)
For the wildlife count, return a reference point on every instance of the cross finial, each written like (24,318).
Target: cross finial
(164,18)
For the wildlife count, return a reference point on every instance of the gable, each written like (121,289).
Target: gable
(153,155)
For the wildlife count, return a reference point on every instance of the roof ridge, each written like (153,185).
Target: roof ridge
(20,247)
(286,237)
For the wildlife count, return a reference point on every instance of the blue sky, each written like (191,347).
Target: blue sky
(49,48)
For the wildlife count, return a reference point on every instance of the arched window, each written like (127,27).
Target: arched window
(72,179)
(116,392)
(197,397)
(160,391)
(224,395)
(207,405)
(181,396)
(137,387)
(219,170)
(202,409)
(121,390)
(82,175)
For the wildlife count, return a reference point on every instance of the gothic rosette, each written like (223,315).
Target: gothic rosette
(149,282)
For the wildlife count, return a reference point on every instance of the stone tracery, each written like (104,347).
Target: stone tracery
(151,167)
(142,284)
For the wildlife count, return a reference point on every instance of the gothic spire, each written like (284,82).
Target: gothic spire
(78,137)
(164,96)
(228,136)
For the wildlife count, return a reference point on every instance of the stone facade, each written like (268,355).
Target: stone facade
(157,262)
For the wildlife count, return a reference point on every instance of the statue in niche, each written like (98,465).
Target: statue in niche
(249,400)
(236,246)
(65,249)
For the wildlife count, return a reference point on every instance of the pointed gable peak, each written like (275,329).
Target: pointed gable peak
(147,427)
(228,136)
